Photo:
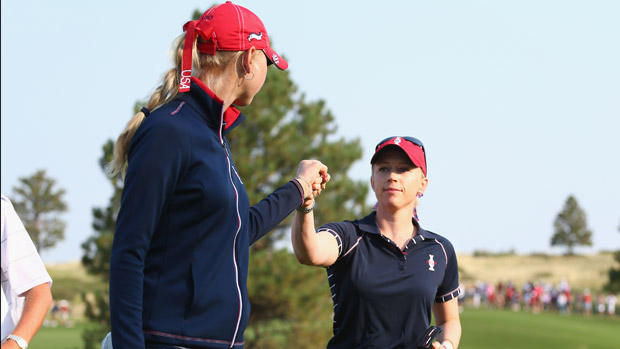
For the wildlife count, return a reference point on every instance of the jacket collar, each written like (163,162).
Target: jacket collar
(368,224)
(210,105)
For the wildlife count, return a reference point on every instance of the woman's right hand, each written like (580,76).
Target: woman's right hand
(313,176)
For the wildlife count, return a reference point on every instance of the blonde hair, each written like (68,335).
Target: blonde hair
(208,68)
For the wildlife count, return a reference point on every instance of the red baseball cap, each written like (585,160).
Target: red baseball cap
(226,27)
(413,147)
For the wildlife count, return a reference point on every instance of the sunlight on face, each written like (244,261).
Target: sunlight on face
(396,180)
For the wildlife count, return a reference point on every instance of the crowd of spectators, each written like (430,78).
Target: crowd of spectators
(538,297)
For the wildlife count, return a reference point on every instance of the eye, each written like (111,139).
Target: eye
(383,169)
(404,169)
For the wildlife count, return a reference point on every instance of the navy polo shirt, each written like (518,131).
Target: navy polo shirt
(383,296)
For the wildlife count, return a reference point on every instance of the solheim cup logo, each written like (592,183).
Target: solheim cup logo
(431,262)
(396,140)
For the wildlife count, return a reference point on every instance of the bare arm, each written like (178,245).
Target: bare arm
(312,248)
(36,305)
(447,316)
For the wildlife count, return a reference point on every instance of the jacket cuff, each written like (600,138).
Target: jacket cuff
(301,190)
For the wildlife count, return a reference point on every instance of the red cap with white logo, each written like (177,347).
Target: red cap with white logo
(413,147)
(226,27)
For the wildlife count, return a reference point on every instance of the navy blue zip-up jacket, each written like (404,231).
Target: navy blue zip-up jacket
(179,264)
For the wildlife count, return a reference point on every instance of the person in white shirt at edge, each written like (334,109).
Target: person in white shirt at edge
(26,294)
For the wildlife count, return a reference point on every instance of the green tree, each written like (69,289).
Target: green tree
(292,307)
(97,250)
(613,285)
(571,228)
(291,303)
(39,204)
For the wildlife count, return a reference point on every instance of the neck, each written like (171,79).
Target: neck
(224,83)
(396,223)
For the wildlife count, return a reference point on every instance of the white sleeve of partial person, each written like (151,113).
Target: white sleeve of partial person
(21,262)
(22,267)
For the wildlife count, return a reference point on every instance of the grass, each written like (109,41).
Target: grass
(58,338)
(484,328)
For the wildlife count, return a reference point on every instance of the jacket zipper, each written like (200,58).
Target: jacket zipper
(232,182)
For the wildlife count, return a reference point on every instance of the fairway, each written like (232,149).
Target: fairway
(58,338)
(481,329)
(512,330)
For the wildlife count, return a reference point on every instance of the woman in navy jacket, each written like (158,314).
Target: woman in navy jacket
(179,260)
(386,273)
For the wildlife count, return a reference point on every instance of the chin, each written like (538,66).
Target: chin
(243,102)
(388,204)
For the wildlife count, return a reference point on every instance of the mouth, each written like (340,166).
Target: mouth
(392,190)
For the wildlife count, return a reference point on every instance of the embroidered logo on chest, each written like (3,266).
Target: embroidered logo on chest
(431,262)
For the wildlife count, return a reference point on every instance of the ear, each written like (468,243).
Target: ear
(423,185)
(248,59)
(372,181)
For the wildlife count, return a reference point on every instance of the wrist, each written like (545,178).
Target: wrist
(306,209)
(21,343)
(305,186)
(447,344)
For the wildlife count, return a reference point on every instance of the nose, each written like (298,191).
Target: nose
(393,176)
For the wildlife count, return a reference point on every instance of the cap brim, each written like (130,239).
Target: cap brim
(274,58)
(413,152)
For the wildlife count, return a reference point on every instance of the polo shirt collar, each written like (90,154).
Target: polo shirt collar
(368,224)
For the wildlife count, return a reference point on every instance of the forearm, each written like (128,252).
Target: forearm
(274,208)
(447,317)
(451,330)
(304,237)
(36,305)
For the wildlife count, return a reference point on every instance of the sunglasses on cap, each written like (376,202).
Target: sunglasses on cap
(407,138)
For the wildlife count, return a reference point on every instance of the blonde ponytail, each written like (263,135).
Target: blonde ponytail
(208,68)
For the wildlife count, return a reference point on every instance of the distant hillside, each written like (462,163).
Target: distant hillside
(71,282)
(581,271)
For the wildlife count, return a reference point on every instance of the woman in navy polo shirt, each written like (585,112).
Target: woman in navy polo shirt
(386,273)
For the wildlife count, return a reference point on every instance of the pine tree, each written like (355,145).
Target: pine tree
(39,203)
(96,258)
(571,228)
(291,304)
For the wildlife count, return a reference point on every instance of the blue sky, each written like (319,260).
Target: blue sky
(517,102)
